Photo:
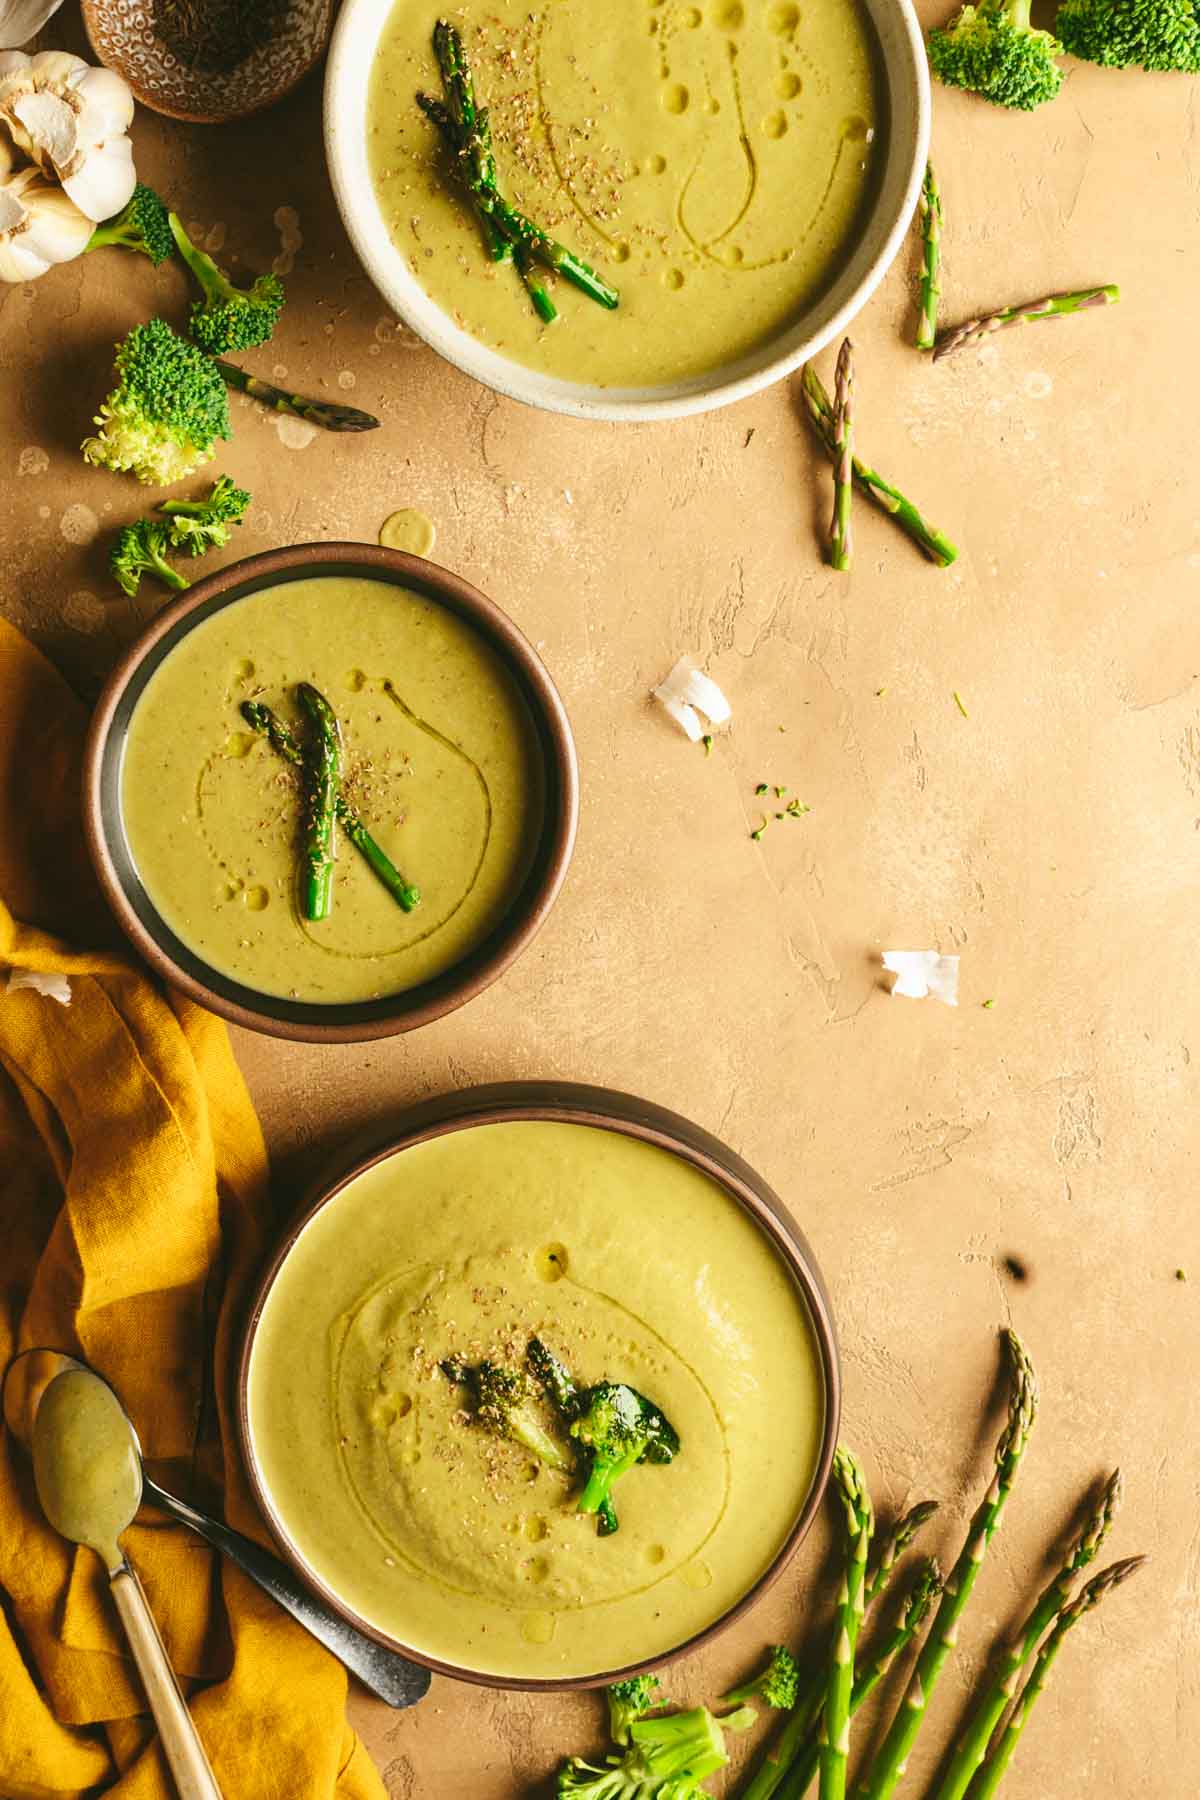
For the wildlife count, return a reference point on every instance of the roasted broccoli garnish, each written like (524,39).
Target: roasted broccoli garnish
(1157,34)
(140,225)
(618,1427)
(166,412)
(141,549)
(667,1759)
(993,50)
(777,1683)
(629,1700)
(200,525)
(228,318)
(501,1403)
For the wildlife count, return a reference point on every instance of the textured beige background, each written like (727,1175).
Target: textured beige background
(1050,838)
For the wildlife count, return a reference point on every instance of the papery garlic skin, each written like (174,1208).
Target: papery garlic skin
(39,225)
(72,121)
(22,19)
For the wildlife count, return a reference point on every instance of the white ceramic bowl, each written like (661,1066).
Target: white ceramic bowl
(904,131)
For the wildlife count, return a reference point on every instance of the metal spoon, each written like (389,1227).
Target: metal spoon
(385,1672)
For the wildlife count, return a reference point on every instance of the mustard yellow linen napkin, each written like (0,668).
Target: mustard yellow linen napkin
(133,1201)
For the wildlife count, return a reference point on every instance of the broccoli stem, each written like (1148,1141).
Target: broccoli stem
(1058,306)
(323,767)
(406,895)
(325,413)
(930,212)
(840,544)
(934,543)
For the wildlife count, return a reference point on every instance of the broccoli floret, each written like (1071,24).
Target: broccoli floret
(994,51)
(618,1427)
(141,549)
(629,1700)
(1157,34)
(166,412)
(501,1402)
(228,317)
(200,525)
(140,225)
(777,1683)
(667,1759)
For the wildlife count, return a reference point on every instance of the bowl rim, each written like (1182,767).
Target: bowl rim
(310,1022)
(603,1108)
(514,380)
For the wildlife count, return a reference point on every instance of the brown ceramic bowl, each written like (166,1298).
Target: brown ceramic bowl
(358,1021)
(127,36)
(607,1109)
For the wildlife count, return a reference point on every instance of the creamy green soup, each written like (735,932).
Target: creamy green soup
(440,760)
(711,159)
(630,1265)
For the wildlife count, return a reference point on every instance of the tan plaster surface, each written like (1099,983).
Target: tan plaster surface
(1052,838)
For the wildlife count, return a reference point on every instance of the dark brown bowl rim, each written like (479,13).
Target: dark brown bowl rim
(607,1109)
(354,1021)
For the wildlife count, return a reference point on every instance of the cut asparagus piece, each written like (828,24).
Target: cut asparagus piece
(992,1773)
(820,412)
(261,719)
(464,124)
(921,1596)
(325,413)
(797,1730)
(929,210)
(497,246)
(1001,1690)
(322,777)
(859,1524)
(892,1758)
(840,548)
(1058,306)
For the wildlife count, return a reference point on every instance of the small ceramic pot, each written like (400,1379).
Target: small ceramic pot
(573,1104)
(904,146)
(352,1021)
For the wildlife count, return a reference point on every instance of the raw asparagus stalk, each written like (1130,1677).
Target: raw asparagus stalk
(921,1597)
(834,1732)
(1058,306)
(798,1727)
(892,1759)
(1001,1690)
(840,549)
(929,209)
(992,1773)
(933,542)
(476,161)
(322,769)
(325,413)
(403,892)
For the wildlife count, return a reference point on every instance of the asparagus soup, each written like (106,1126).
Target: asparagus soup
(438,810)
(439,1361)
(711,161)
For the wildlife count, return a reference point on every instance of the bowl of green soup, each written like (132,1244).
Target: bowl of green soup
(467,1314)
(729,181)
(331,792)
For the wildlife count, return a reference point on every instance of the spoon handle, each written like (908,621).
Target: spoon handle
(391,1676)
(180,1740)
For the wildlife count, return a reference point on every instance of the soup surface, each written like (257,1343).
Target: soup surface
(711,160)
(441,761)
(631,1265)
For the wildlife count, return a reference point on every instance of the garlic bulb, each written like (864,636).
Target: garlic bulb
(39,225)
(21,19)
(71,121)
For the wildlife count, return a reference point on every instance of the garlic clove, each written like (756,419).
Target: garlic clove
(56,66)
(58,229)
(50,128)
(11,61)
(107,103)
(39,226)
(105,179)
(22,19)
